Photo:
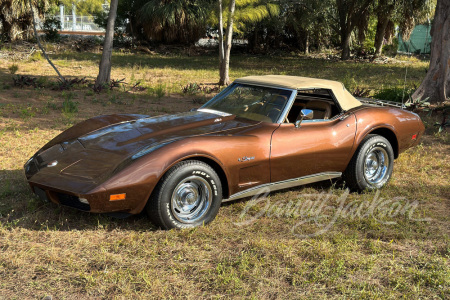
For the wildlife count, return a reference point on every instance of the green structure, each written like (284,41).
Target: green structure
(419,41)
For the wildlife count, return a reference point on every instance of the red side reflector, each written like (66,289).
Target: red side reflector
(117,197)
(414,137)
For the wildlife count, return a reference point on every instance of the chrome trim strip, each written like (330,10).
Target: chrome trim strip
(213,111)
(275,186)
(287,107)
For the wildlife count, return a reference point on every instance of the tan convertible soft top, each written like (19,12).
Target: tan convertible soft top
(345,99)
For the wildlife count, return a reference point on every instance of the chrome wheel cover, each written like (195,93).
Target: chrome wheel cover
(376,165)
(191,199)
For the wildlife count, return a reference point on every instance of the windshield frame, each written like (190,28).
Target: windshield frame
(232,86)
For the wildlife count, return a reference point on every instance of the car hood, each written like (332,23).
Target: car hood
(128,137)
(95,155)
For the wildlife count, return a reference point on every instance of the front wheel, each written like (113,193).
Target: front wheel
(188,195)
(372,164)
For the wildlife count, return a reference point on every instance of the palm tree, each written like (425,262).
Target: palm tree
(16,19)
(177,21)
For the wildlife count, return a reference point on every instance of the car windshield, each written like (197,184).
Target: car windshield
(251,102)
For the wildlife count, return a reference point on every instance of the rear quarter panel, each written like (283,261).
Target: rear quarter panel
(402,123)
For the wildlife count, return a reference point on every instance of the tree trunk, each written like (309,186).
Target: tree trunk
(436,84)
(349,13)
(379,35)
(104,72)
(383,15)
(6,30)
(345,18)
(346,45)
(221,51)
(224,70)
(307,43)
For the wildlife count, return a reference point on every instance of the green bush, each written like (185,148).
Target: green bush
(69,106)
(36,56)
(396,94)
(160,90)
(51,27)
(391,50)
(13,68)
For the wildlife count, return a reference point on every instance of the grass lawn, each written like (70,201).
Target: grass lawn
(46,249)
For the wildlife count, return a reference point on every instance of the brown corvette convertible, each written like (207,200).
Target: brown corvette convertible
(270,132)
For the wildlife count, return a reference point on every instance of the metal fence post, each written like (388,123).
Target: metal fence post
(74,17)
(61,15)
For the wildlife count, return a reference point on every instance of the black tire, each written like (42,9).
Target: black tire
(188,195)
(372,164)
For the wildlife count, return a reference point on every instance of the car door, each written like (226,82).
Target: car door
(314,147)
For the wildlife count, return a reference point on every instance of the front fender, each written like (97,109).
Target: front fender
(141,176)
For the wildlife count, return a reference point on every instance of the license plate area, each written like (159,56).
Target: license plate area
(41,194)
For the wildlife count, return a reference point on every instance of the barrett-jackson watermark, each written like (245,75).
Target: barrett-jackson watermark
(324,209)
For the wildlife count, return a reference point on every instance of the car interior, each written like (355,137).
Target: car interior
(318,101)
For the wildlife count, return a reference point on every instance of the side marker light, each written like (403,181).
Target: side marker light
(117,197)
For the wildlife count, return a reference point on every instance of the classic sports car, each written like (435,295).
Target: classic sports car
(271,132)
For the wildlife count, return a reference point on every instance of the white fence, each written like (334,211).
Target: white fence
(82,23)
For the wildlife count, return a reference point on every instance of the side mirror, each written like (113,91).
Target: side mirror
(304,114)
(193,109)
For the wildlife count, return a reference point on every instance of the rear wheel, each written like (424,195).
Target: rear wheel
(188,195)
(372,164)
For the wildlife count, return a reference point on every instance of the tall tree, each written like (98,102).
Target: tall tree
(384,10)
(238,15)
(104,73)
(308,18)
(436,85)
(221,46)
(225,60)
(350,13)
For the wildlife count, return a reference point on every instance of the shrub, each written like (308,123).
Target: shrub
(396,94)
(191,88)
(69,106)
(51,27)
(160,90)
(361,92)
(13,69)
(23,80)
(36,56)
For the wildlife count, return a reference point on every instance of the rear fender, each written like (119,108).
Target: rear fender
(402,125)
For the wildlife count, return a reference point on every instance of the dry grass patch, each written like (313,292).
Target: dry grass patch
(46,249)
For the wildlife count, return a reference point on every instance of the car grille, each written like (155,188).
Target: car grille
(73,201)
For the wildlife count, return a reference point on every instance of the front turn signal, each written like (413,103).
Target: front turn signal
(117,197)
